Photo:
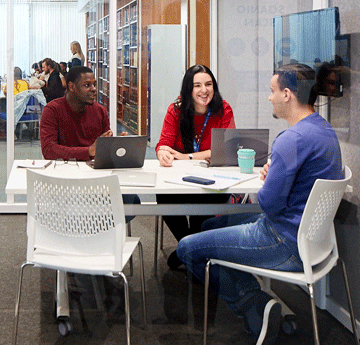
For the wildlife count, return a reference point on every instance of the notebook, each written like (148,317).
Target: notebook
(226,141)
(120,152)
(136,178)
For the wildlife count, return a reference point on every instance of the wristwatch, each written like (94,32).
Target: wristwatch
(191,156)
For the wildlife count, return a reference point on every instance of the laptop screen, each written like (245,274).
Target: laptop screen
(226,141)
(120,152)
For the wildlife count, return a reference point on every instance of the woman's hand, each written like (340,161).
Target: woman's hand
(264,170)
(207,155)
(165,157)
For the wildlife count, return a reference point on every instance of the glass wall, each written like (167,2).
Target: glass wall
(46,30)
(245,58)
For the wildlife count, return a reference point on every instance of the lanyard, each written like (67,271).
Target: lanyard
(196,145)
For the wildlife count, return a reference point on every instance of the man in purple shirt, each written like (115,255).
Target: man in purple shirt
(306,151)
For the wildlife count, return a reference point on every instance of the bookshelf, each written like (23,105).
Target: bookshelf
(103,62)
(127,66)
(91,40)
(98,54)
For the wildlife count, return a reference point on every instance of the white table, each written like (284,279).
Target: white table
(16,185)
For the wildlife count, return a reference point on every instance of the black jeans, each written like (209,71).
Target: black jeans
(179,225)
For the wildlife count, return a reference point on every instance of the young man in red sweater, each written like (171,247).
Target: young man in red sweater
(71,124)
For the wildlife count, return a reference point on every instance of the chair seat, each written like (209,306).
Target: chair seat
(298,278)
(28,117)
(99,265)
(25,118)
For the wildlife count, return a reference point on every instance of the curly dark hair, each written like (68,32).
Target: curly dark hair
(75,73)
(186,105)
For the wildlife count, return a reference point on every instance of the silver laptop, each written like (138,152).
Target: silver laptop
(226,141)
(120,152)
(136,178)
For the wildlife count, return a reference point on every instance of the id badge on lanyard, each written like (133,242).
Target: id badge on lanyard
(196,145)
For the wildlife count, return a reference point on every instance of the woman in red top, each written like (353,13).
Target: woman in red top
(186,134)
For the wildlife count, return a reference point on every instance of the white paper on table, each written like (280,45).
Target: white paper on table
(33,164)
(223,179)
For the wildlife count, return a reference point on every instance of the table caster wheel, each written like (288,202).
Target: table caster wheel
(64,328)
(289,324)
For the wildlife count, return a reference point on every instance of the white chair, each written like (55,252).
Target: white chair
(78,225)
(317,247)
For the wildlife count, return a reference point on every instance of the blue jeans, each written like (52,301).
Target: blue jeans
(246,239)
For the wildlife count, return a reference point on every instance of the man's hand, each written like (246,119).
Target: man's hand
(108,133)
(264,171)
(92,148)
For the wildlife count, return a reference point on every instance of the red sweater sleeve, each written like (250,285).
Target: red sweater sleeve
(228,120)
(171,128)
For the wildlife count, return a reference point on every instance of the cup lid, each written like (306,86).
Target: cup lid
(246,152)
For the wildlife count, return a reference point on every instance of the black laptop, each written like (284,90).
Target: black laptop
(120,152)
(226,141)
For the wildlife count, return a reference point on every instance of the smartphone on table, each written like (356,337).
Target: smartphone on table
(199,180)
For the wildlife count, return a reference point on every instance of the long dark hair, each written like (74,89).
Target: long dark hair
(187,108)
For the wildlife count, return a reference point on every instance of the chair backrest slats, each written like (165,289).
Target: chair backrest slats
(75,216)
(316,236)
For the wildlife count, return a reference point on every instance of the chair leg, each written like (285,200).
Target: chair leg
(156,244)
(161,232)
(128,225)
(313,311)
(206,299)
(142,278)
(17,303)
(97,294)
(348,295)
(127,307)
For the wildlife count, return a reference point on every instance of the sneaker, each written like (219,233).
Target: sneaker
(173,261)
(262,313)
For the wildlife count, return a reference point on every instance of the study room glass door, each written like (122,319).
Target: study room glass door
(46,31)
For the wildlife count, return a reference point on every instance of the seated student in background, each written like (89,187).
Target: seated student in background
(70,125)
(36,69)
(63,69)
(306,151)
(53,88)
(19,84)
(62,77)
(186,134)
